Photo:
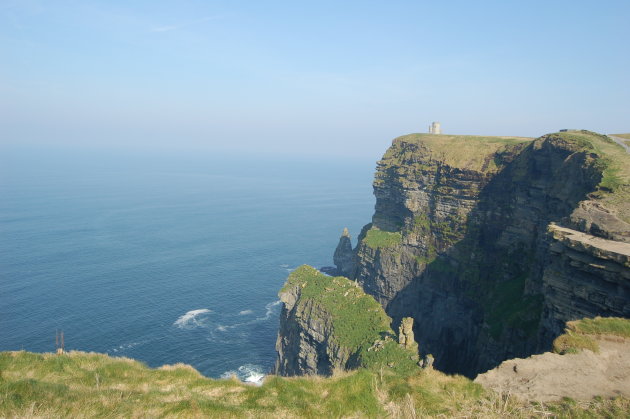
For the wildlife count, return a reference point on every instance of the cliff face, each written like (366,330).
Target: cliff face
(461,241)
(329,323)
(585,275)
(303,346)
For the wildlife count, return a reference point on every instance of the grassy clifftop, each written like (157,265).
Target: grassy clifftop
(81,384)
(356,317)
(484,154)
(614,162)
(460,151)
(359,326)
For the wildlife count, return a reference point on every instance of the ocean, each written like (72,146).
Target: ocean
(165,257)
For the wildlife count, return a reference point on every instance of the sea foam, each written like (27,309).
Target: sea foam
(248,373)
(269,310)
(126,346)
(191,319)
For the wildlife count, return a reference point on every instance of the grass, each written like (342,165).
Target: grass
(626,136)
(377,239)
(80,384)
(572,343)
(414,153)
(48,385)
(357,320)
(614,163)
(602,326)
(580,334)
(458,151)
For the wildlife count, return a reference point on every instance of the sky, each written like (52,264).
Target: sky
(306,77)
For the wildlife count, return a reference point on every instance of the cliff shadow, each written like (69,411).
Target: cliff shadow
(479,300)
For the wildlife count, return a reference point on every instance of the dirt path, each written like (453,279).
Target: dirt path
(551,376)
(621,142)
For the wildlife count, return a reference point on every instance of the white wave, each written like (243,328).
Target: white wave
(284,266)
(125,346)
(245,312)
(229,374)
(269,310)
(191,319)
(248,373)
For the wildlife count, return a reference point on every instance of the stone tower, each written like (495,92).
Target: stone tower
(435,128)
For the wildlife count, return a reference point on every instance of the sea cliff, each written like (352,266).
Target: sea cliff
(493,243)
(329,324)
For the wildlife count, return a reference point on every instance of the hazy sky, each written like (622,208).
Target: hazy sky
(313,77)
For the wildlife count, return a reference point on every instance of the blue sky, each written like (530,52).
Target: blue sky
(322,77)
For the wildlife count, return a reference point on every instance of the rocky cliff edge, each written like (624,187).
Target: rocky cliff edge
(462,241)
(329,323)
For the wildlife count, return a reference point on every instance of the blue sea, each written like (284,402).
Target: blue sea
(165,257)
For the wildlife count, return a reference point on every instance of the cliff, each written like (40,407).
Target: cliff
(492,243)
(329,323)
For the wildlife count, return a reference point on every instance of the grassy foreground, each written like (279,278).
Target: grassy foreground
(81,384)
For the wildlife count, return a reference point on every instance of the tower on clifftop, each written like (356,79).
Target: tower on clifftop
(435,128)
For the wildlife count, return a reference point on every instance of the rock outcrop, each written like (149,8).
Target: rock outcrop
(463,240)
(329,323)
(343,257)
(405,333)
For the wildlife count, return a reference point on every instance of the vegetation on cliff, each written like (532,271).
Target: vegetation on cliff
(356,317)
(469,152)
(580,334)
(359,327)
(376,238)
(460,234)
(614,162)
(79,384)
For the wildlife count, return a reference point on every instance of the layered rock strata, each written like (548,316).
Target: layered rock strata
(586,275)
(461,241)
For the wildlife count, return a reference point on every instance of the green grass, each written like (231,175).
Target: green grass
(357,320)
(614,163)
(88,385)
(572,343)
(603,326)
(377,239)
(580,334)
(356,317)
